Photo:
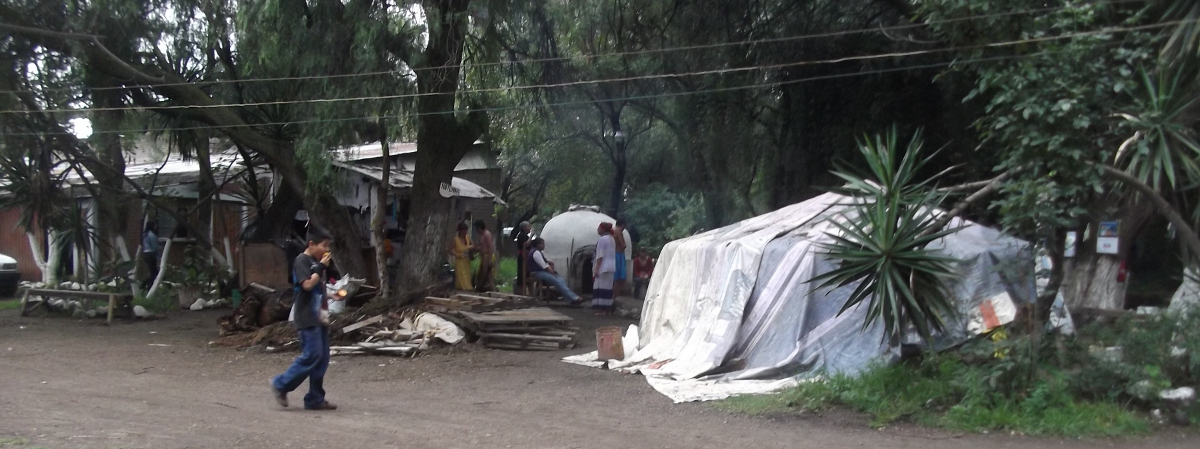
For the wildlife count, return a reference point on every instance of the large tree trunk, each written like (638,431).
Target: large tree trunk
(325,211)
(110,216)
(205,187)
(381,200)
(442,140)
(1090,279)
(276,220)
(617,194)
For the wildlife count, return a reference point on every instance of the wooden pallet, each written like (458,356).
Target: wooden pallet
(534,328)
(517,319)
(477,304)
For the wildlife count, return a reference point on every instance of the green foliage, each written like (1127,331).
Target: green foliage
(948,392)
(1161,349)
(1058,385)
(1051,110)
(1169,151)
(165,299)
(10,304)
(196,271)
(506,274)
(661,215)
(881,243)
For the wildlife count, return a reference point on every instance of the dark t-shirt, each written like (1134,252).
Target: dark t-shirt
(309,303)
(522,240)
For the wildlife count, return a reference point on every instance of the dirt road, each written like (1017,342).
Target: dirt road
(157,384)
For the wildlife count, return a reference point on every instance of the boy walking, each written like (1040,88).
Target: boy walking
(310,315)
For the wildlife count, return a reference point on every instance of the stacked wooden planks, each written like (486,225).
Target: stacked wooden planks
(467,302)
(533,328)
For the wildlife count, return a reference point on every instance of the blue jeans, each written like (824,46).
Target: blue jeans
(311,364)
(557,282)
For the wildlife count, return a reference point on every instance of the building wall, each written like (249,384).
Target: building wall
(13,243)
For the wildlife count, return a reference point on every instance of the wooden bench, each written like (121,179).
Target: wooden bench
(112,298)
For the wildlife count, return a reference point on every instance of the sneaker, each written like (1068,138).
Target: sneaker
(280,396)
(324,405)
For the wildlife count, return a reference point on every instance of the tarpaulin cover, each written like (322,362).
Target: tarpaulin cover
(733,311)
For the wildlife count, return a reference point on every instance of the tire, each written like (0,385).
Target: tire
(7,291)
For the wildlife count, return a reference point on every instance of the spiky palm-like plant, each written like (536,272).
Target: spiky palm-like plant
(882,241)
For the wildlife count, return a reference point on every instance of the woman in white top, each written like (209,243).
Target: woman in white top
(604,267)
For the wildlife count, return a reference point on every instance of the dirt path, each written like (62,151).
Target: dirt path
(69,383)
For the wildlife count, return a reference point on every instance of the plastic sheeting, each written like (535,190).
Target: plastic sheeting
(733,311)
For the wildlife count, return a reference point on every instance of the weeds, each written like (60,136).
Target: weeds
(1056,386)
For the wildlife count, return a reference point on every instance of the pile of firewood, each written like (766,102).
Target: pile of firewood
(507,321)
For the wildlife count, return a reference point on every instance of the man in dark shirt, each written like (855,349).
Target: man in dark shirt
(522,238)
(310,315)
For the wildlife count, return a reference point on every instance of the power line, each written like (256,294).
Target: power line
(639,77)
(604,55)
(578,103)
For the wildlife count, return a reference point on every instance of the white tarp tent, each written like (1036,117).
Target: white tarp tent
(732,311)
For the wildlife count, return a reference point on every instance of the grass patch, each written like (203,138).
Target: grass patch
(164,300)
(9,304)
(948,393)
(12,441)
(506,274)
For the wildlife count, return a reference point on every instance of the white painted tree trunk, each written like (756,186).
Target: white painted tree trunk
(162,266)
(47,263)
(1187,297)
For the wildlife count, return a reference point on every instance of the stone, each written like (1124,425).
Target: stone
(1179,396)
(140,312)
(1143,390)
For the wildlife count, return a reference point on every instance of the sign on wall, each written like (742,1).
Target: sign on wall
(1107,241)
(448,190)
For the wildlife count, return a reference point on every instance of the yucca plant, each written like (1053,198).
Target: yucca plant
(882,241)
(1168,148)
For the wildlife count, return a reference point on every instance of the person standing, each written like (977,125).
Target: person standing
(620,274)
(485,279)
(604,267)
(310,316)
(543,270)
(460,250)
(150,254)
(522,235)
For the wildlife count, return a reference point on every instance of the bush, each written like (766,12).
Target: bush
(1055,385)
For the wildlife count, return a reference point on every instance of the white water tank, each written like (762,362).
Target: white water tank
(571,237)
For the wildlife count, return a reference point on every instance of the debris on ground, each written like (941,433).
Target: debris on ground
(533,328)
(496,320)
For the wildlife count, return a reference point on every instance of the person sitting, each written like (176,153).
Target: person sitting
(643,267)
(543,270)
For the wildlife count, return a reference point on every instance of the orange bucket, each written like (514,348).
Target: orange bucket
(608,343)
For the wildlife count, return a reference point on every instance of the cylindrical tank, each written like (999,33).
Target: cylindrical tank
(572,232)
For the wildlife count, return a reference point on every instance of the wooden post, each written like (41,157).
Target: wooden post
(112,304)
(25,303)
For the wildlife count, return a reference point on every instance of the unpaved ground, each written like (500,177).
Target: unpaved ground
(157,384)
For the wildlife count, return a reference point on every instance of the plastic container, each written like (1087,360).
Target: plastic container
(608,343)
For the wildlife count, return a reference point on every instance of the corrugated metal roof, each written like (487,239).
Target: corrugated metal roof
(403,179)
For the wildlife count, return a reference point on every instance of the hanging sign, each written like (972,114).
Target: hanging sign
(448,190)
(1107,241)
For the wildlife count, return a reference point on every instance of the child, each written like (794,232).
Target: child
(310,315)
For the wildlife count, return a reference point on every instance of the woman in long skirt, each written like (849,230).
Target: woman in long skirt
(460,250)
(604,267)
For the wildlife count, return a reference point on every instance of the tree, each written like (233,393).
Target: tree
(1050,115)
